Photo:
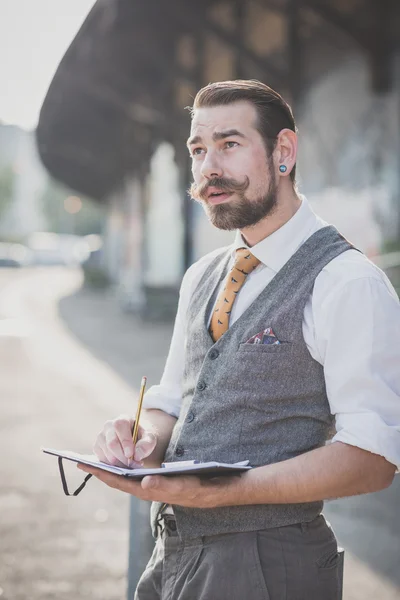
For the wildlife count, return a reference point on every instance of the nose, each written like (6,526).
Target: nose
(210,167)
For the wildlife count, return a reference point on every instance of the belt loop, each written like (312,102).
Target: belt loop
(167,525)
(159,525)
(158,529)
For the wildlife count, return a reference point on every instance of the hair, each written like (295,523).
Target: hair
(274,113)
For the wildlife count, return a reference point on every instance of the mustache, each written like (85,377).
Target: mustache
(200,192)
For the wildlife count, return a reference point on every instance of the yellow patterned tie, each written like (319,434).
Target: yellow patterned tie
(245,263)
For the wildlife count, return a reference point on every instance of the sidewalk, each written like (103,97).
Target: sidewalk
(55,393)
(129,345)
(367,527)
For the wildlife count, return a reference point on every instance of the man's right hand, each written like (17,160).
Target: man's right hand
(114,444)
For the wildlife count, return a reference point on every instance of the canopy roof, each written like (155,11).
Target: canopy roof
(134,65)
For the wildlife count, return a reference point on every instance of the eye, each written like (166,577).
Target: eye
(231,144)
(196,151)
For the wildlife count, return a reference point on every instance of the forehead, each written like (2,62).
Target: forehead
(238,115)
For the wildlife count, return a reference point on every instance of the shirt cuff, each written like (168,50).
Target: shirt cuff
(162,398)
(369,432)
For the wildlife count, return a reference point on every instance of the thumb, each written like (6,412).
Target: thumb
(145,446)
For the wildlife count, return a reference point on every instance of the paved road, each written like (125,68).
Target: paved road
(70,360)
(54,393)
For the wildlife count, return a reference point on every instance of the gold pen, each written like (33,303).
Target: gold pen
(138,411)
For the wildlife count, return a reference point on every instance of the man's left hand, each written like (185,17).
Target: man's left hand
(186,490)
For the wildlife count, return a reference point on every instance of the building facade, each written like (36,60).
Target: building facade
(337,62)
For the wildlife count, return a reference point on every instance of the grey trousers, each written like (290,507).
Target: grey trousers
(296,562)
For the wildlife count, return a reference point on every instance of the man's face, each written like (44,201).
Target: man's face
(233,176)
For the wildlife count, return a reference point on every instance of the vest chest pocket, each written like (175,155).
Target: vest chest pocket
(262,349)
(266,362)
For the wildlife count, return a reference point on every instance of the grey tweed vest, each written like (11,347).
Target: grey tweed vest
(264,403)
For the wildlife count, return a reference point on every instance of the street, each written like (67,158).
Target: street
(71,360)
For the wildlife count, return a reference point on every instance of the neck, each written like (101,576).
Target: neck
(286,206)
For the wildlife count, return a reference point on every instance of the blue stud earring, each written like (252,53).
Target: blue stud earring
(283,168)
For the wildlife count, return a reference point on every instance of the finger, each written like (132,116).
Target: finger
(108,478)
(107,457)
(115,481)
(123,429)
(145,445)
(153,482)
(170,485)
(111,458)
(100,446)
(113,449)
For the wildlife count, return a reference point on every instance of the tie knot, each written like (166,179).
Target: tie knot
(245,261)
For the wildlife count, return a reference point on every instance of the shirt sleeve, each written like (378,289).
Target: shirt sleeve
(358,332)
(167,396)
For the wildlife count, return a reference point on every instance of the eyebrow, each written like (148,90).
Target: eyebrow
(217,135)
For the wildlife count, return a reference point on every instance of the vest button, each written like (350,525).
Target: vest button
(201,385)
(213,354)
(179,451)
(190,417)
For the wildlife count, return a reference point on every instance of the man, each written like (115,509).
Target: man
(277,337)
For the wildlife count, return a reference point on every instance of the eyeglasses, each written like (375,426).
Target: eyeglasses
(64,480)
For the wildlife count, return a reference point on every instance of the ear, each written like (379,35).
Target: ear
(285,152)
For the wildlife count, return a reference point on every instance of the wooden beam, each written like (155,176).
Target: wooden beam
(196,19)
(338,19)
(276,5)
(263,64)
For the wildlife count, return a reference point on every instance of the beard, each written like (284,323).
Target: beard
(241,212)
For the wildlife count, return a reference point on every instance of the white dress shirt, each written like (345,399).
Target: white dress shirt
(351,327)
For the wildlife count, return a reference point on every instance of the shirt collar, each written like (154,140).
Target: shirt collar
(276,249)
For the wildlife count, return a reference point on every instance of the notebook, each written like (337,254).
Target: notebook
(175,468)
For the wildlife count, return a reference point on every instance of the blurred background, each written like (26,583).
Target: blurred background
(96,231)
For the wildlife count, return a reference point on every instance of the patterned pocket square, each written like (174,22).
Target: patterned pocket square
(264,337)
